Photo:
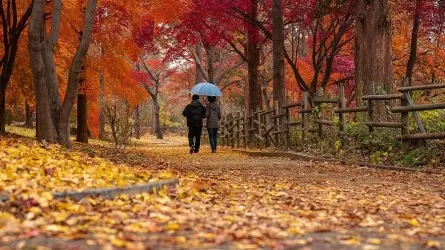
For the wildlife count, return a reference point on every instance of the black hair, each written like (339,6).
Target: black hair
(211,98)
(195,97)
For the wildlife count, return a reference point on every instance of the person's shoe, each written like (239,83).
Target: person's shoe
(214,151)
(191,150)
(195,151)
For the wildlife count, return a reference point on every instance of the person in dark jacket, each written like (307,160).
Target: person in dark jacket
(194,112)
(213,115)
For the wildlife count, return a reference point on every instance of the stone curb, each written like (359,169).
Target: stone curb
(109,193)
(304,157)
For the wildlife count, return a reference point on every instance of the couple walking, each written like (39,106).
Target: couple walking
(195,112)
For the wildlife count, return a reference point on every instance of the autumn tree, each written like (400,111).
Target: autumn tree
(374,73)
(14,18)
(53,120)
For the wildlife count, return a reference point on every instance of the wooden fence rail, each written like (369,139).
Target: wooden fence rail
(262,128)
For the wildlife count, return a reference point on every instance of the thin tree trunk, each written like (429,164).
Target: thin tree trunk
(413,49)
(12,30)
(82,125)
(28,115)
(74,73)
(137,123)
(373,37)
(254,99)
(156,121)
(101,108)
(82,110)
(279,91)
(2,112)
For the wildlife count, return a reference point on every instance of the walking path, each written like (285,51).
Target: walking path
(230,201)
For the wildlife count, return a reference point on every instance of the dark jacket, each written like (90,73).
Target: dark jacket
(194,112)
(213,115)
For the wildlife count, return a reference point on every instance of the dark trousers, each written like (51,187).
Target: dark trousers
(195,137)
(213,137)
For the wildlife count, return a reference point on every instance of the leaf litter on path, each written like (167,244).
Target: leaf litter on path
(227,200)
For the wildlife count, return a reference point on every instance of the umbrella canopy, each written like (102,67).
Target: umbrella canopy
(206,88)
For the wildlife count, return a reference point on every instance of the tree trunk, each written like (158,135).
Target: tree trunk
(156,121)
(28,115)
(373,52)
(210,66)
(12,30)
(2,112)
(279,91)
(137,123)
(253,88)
(199,77)
(413,49)
(82,125)
(45,129)
(101,108)
(74,73)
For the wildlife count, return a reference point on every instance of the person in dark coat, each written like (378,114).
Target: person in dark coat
(194,112)
(213,115)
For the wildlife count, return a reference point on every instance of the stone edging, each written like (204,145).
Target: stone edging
(109,193)
(305,157)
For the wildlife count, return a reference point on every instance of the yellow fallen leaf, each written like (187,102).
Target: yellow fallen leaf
(413,222)
(375,241)
(118,242)
(351,242)
(173,226)
(433,244)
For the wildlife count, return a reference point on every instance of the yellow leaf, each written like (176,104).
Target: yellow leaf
(181,239)
(433,244)
(118,242)
(375,241)
(173,226)
(351,242)
(413,222)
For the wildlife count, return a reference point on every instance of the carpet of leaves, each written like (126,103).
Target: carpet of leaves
(227,201)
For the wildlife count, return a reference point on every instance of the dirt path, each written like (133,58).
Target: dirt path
(230,201)
(275,202)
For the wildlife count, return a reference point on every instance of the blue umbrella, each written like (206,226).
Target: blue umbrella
(205,88)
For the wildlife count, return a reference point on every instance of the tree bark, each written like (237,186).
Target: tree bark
(253,88)
(74,74)
(28,115)
(413,49)
(137,123)
(373,52)
(45,129)
(2,112)
(210,66)
(101,108)
(279,91)
(156,121)
(199,77)
(82,110)
(12,30)
(82,125)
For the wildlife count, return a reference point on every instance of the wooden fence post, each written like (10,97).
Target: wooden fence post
(370,117)
(304,119)
(276,105)
(221,132)
(238,129)
(287,121)
(258,118)
(245,128)
(404,116)
(341,97)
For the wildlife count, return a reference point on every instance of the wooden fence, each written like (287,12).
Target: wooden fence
(274,126)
